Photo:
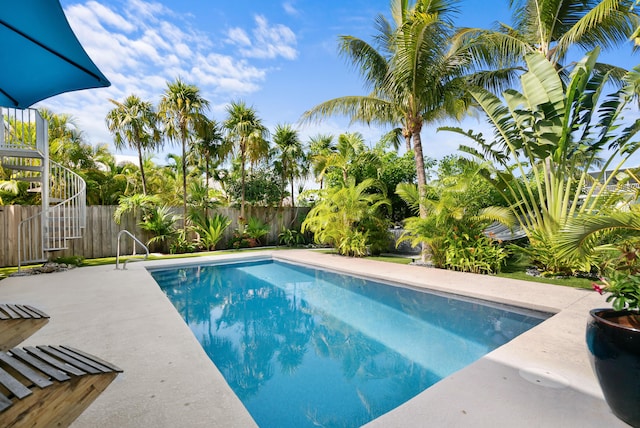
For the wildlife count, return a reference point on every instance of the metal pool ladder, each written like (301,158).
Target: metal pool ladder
(135,241)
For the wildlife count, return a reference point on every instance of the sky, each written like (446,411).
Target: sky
(279,56)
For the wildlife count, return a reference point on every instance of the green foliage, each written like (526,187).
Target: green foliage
(547,139)
(181,244)
(256,229)
(161,223)
(262,188)
(145,205)
(344,210)
(291,238)
(353,243)
(455,219)
(70,260)
(471,251)
(210,230)
(623,289)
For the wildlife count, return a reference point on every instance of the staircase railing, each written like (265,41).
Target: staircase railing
(23,130)
(56,223)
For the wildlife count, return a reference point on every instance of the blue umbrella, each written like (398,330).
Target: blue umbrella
(39,55)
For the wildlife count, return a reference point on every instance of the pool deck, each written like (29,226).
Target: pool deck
(540,379)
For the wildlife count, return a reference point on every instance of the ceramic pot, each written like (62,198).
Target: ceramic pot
(613,339)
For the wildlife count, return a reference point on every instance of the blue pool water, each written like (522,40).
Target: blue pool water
(304,347)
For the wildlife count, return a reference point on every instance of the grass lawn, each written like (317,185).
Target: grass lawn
(514,270)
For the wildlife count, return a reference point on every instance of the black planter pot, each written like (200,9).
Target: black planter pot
(615,357)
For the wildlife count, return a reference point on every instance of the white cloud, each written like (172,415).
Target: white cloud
(140,45)
(239,37)
(268,42)
(290,9)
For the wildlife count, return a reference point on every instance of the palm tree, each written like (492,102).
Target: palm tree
(290,155)
(181,110)
(552,27)
(134,123)
(347,215)
(210,145)
(249,135)
(414,76)
(320,146)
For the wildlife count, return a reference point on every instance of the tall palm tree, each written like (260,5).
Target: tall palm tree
(320,146)
(249,135)
(181,110)
(210,144)
(552,27)
(134,123)
(290,156)
(349,151)
(414,76)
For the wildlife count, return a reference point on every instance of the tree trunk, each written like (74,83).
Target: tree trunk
(422,181)
(293,203)
(242,170)
(407,139)
(184,183)
(144,180)
(206,185)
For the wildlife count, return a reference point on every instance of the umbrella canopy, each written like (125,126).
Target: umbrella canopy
(40,56)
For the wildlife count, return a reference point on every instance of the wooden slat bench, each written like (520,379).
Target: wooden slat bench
(49,385)
(17,322)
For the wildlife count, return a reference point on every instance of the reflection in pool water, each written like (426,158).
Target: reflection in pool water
(307,348)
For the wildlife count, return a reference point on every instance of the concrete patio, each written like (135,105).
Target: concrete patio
(540,379)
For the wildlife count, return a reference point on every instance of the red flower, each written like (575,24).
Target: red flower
(598,288)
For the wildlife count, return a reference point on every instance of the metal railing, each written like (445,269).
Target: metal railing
(50,229)
(135,241)
(23,130)
(24,149)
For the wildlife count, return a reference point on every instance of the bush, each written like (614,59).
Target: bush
(291,238)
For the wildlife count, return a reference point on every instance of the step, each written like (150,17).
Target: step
(21,153)
(36,168)
(29,179)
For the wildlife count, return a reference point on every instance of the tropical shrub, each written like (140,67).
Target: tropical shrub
(546,141)
(256,229)
(452,228)
(471,251)
(161,224)
(353,243)
(291,238)
(344,210)
(210,230)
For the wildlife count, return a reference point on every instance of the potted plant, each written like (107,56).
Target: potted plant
(613,339)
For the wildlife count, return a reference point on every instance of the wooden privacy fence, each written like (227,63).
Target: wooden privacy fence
(100,236)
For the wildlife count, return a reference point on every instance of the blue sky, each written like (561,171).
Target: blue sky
(279,56)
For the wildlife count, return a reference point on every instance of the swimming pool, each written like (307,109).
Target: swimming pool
(306,347)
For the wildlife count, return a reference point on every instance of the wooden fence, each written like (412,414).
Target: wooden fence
(100,236)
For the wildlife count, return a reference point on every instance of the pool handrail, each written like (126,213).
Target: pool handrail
(135,240)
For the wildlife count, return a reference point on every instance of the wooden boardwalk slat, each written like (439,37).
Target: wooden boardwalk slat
(13,385)
(25,370)
(19,310)
(8,311)
(94,358)
(36,311)
(45,368)
(29,399)
(69,360)
(5,403)
(66,368)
